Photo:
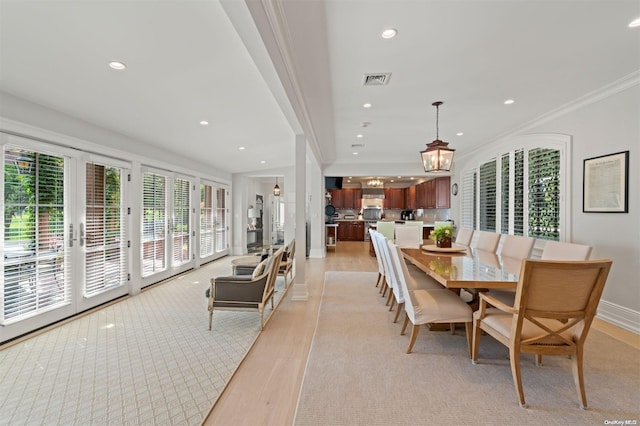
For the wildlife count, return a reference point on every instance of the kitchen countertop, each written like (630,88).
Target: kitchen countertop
(424,225)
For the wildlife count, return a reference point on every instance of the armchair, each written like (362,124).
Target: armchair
(286,264)
(555,304)
(246,292)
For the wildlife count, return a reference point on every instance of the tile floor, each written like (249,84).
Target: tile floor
(149,359)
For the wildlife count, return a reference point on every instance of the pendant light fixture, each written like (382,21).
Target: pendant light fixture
(437,157)
(276,189)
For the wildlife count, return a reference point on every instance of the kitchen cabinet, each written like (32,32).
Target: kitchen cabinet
(443,195)
(433,194)
(410,197)
(351,230)
(394,198)
(348,198)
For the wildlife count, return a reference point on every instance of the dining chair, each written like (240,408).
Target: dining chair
(417,223)
(428,306)
(374,242)
(408,236)
(517,246)
(556,250)
(464,236)
(386,228)
(555,304)
(487,241)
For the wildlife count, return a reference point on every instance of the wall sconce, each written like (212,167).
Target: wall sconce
(276,189)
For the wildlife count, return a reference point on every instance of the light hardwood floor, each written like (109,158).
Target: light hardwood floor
(265,388)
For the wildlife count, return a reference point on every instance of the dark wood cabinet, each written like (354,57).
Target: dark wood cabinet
(348,198)
(350,230)
(433,194)
(410,197)
(394,198)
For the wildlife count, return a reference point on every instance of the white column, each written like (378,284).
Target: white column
(300,290)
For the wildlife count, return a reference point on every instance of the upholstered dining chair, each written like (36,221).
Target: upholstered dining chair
(386,228)
(464,236)
(517,246)
(408,236)
(246,292)
(428,306)
(374,242)
(554,307)
(557,250)
(487,241)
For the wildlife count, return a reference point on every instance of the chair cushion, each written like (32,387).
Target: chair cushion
(259,270)
(439,306)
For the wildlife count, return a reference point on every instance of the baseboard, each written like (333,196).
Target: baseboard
(622,317)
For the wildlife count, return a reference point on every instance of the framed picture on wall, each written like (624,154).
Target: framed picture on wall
(605,184)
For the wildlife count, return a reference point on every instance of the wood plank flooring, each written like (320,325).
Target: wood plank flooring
(265,388)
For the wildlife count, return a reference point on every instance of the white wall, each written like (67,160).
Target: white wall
(608,125)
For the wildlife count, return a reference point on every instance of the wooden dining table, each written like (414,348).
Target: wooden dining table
(466,269)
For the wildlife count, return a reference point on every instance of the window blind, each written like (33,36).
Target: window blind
(206,220)
(518,193)
(154,223)
(504,191)
(34,276)
(221,219)
(181,221)
(468,194)
(544,193)
(105,234)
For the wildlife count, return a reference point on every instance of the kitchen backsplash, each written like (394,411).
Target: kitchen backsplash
(425,215)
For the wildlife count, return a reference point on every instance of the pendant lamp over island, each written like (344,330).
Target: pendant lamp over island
(437,157)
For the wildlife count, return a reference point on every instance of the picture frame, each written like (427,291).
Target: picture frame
(605,183)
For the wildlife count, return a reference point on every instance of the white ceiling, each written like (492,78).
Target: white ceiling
(260,80)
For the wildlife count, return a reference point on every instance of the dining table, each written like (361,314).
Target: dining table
(466,268)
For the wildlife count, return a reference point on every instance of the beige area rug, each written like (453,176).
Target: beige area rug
(359,374)
(147,360)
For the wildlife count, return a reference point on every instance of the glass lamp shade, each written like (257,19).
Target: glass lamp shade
(437,157)
(276,190)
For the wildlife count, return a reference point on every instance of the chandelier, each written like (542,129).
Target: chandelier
(276,189)
(437,157)
(375,183)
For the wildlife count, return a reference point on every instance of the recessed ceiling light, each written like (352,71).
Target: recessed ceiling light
(117,65)
(354,153)
(359,136)
(459,134)
(262,161)
(509,101)
(365,124)
(399,177)
(242,148)
(204,122)
(389,33)
(635,23)
(367,105)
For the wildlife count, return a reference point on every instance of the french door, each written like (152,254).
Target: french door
(167,217)
(214,220)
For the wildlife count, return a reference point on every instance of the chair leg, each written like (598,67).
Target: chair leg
(476,341)
(400,305)
(538,360)
(389,297)
(467,329)
(261,310)
(404,325)
(378,280)
(210,318)
(390,300)
(514,356)
(578,378)
(452,328)
(414,333)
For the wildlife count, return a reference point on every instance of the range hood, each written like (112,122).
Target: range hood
(369,193)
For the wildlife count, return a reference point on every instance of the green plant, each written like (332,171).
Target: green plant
(441,233)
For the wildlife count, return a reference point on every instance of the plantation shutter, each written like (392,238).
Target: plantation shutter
(468,194)
(518,193)
(504,191)
(488,196)
(34,274)
(181,221)
(105,234)
(544,193)
(206,220)
(154,223)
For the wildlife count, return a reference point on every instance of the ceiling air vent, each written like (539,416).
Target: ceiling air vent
(376,79)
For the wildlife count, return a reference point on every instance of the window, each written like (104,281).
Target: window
(206,220)
(529,184)
(181,222)
(221,220)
